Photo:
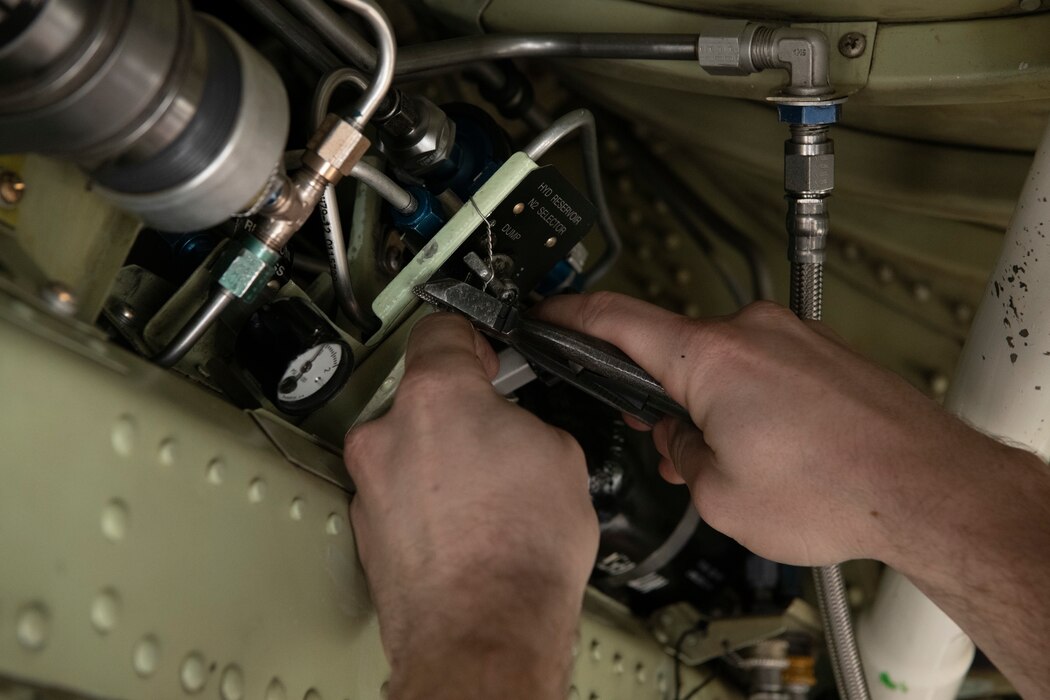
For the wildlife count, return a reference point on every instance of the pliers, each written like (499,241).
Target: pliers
(593,365)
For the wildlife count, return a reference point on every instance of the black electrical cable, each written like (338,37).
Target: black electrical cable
(703,684)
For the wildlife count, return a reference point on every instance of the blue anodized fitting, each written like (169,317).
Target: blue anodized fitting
(426,220)
(809,114)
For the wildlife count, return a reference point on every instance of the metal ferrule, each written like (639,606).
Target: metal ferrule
(808,226)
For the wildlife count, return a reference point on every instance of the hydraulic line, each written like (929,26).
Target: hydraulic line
(340,268)
(487,47)
(349,44)
(194,329)
(293,33)
(808,181)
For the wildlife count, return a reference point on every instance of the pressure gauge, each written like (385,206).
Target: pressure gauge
(297,357)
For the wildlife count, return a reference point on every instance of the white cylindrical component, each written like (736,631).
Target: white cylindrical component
(909,647)
(1002,387)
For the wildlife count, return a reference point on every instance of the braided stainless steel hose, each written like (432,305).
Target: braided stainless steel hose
(808,180)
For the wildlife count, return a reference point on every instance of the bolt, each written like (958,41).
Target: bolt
(12,188)
(551,242)
(58,298)
(853,44)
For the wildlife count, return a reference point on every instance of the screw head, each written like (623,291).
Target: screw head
(551,242)
(853,44)
(12,188)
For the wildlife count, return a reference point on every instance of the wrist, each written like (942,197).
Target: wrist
(511,645)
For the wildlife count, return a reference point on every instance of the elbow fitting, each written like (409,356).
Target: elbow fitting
(739,47)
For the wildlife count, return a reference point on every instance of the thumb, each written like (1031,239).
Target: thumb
(447,344)
(664,344)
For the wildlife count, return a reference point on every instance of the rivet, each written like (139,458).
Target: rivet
(551,242)
(853,44)
(963,313)
(297,509)
(231,687)
(167,452)
(193,673)
(123,436)
(518,208)
(624,184)
(31,627)
(115,520)
(596,652)
(384,690)
(660,206)
(672,241)
(388,382)
(653,289)
(12,188)
(661,636)
(692,310)
(276,691)
(939,383)
(594,696)
(635,217)
(639,673)
(921,292)
(146,656)
(58,298)
(851,252)
(617,660)
(105,611)
(573,693)
(334,525)
(256,490)
(885,274)
(312,694)
(661,682)
(683,276)
(216,471)
(644,253)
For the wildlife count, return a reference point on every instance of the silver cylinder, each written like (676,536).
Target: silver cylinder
(172,114)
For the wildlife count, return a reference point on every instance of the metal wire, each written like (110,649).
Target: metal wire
(487,47)
(582,119)
(387,56)
(807,300)
(190,333)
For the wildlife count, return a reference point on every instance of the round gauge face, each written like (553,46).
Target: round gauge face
(313,377)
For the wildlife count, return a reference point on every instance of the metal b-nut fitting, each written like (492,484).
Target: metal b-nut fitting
(335,148)
(246,274)
(724,47)
(809,174)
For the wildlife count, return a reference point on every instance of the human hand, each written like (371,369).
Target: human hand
(474,525)
(802,450)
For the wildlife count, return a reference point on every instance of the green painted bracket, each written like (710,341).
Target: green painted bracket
(397,299)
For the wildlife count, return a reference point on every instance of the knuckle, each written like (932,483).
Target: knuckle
(765,312)
(596,305)
(426,386)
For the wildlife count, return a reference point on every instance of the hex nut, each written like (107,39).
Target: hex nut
(336,146)
(809,173)
(812,115)
(722,50)
(247,273)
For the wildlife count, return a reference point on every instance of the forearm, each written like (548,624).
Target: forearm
(977,544)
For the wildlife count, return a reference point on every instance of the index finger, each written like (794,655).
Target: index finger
(661,342)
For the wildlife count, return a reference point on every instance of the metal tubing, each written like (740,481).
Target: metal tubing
(340,267)
(397,196)
(488,47)
(387,56)
(582,119)
(350,45)
(194,329)
(293,33)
